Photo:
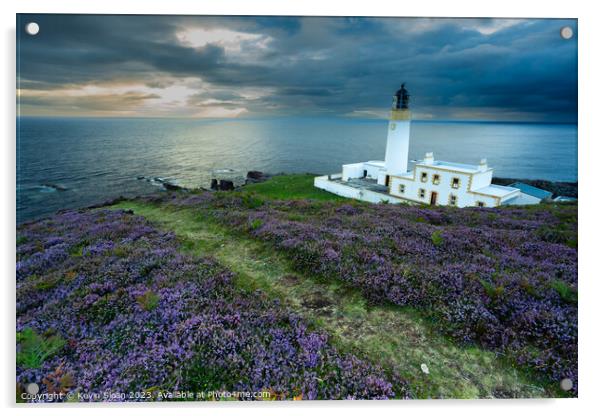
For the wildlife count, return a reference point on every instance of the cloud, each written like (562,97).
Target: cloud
(189,66)
(125,104)
(239,45)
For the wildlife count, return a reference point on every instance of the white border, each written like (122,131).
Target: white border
(590,135)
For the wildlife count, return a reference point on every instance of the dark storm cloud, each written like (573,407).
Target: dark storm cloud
(78,49)
(454,67)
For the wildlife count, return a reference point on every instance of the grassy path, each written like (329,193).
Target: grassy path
(397,338)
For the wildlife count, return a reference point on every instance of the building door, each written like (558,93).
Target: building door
(433,198)
(387,180)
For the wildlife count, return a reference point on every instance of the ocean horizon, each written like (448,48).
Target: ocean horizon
(73,162)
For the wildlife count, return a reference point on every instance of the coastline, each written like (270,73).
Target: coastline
(557,188)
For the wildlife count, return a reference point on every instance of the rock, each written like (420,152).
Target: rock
(424,368)
(214,185)
(316,300)
(290,280)
(55,186)
(255,176)
(172,186)
(225,185)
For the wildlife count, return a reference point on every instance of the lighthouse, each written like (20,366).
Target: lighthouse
(398,137)
(430,182)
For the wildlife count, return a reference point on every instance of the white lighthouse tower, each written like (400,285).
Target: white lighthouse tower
(398,137)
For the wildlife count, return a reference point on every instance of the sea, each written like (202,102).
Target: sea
(76,162)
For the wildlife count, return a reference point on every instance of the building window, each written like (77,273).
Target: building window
(424,177)
(453,200)
(436,179)
(402,188)
(421,193)
(480,204)
(455,183)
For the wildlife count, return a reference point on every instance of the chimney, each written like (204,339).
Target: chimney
(483,165)
(429,159)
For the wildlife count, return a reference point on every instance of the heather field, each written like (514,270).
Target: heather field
(504,279)
(310,296)
(108,309)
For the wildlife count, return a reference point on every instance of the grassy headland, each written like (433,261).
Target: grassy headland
(403,289)
(289,187)
(400,338)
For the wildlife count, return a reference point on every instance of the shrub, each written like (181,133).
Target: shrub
(250,201)
(256,223)
(77,250)
(494,292)
(148,301)
(47,282)
(436,238)
(567,293)
(34,349)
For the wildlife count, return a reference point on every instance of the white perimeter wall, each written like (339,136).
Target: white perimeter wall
(373,170)
(353,170)
(356,170)
(340,189)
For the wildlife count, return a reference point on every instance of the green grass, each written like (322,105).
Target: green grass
(300,186)
(399,339)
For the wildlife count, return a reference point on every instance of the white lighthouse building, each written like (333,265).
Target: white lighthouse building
(430,181)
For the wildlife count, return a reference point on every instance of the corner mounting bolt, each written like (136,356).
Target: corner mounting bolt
(32,28)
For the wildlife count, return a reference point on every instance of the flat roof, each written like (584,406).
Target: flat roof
(450,165)
(531,190)
(379,163)
(496,190)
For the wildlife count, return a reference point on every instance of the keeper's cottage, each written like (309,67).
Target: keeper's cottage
(430,181)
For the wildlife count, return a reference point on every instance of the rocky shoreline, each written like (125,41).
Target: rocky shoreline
(568,189)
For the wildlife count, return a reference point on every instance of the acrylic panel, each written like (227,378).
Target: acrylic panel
(295,208)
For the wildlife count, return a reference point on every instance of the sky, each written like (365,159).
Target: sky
(234,66)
